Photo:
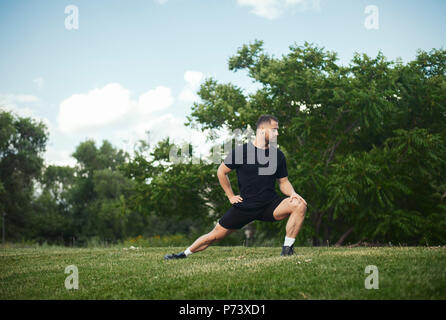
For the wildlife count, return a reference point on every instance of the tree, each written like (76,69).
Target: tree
(98,196)
(182,193)
(51,218)
(22,143)
(364,142)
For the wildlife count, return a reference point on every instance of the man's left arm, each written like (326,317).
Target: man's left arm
(287,189)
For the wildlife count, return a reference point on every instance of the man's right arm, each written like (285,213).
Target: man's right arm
(222,174)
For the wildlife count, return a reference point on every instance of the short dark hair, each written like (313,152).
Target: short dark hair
(265,118)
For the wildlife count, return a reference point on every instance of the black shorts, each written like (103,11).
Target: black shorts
(236,218)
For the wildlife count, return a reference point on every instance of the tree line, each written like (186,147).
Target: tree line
(365,146)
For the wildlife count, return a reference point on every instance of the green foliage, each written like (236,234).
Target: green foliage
(182,191)
(85,205)
(365,146)
(365,143)
(22,143)
(99,195)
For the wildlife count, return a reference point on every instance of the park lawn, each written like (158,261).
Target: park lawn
(223,273)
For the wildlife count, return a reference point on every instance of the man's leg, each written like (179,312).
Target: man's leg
(203,242)
(295,211)
(206,240)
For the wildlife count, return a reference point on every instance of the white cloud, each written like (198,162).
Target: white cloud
(103,107)
(58,158)
(24,98)
(19,104)
(166,125)
(187,95)
(193,80)
(13,99)
(110,113)
(161,1)
(14,103)
(39,82)
(98,107)
(155,100)
(272,9)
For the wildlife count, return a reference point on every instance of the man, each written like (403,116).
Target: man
(258,199)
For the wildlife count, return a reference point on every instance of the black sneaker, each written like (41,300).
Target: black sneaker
(173,256)
(287,251)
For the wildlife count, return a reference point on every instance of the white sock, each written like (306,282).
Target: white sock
(187,252)
(289,241)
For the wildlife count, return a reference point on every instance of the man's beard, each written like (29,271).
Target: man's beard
(269,142)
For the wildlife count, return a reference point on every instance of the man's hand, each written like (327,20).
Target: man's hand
(295,196)
(235,199)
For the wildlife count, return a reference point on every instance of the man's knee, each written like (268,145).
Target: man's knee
(298,206)
(303,206)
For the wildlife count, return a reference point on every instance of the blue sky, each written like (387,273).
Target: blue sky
(135,65)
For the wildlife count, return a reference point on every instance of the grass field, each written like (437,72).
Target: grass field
(223,273)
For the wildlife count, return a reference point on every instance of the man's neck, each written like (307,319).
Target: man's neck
(260,144)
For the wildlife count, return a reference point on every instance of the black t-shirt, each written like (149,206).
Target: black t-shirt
(257,173)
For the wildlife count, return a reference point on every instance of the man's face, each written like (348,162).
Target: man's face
(271,131)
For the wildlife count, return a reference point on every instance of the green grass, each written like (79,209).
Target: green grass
(223,273)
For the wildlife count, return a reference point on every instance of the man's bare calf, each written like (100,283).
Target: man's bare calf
(207,239)
(203,242)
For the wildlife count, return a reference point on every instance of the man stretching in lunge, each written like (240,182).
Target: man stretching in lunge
(258,163)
